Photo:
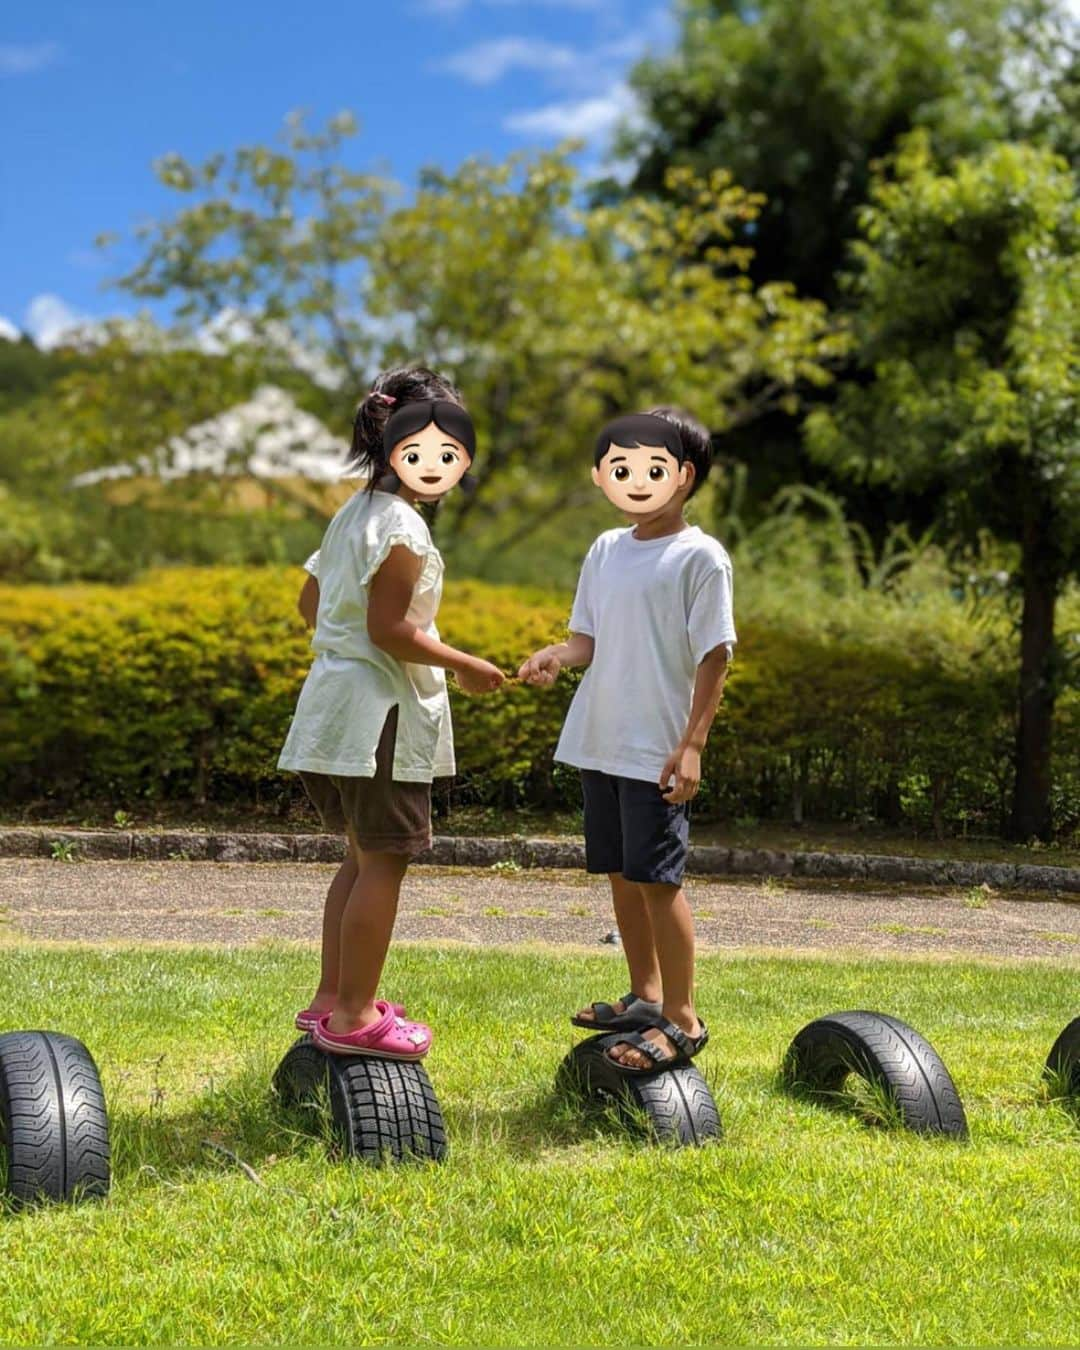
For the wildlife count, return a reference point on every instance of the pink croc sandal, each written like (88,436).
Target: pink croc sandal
(309,1018)
(391,1037)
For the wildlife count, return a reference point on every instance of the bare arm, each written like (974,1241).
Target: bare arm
(390,630)
(684,763)
(543,666)
(308,604)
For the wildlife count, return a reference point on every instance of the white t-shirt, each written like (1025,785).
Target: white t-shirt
(654,608)
(352,684)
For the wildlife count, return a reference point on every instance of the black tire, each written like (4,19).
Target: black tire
(381,1108)
(53,1126)
(675,1106)
(885,1051)
(1063,1061)
(302,1075)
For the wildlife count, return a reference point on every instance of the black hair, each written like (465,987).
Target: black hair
(677,431)
(449,417)
(391,392)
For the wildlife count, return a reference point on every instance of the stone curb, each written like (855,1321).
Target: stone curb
(449,850)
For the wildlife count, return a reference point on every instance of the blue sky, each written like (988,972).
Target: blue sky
(90,94)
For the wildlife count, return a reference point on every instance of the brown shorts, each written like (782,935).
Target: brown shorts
(384,816)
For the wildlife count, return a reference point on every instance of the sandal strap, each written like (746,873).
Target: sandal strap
(639,1042)
(629,999)
(686,1046)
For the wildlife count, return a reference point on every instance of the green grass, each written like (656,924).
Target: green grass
(804,1225)
(904,929)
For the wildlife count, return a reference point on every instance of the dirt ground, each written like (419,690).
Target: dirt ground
(235,903)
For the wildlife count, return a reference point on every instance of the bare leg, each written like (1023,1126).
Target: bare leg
(673,929)
(639,947)
(366,927)
(336,898)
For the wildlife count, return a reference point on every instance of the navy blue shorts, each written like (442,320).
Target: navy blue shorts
(630,828)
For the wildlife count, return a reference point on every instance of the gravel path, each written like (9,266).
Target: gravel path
(249,902)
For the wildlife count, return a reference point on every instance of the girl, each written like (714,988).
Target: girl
(372,724)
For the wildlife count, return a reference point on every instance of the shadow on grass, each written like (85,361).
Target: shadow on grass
(234,1121)
(866,1098)
(1060,1090)
(547,1121)
(241,1121)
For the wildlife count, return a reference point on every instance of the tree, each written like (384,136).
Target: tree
(798,98)
(548,315)
(274,240)
(967,311)
(27,371)
(554,318)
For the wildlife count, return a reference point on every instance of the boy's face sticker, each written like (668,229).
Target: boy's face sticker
(640,479)
(429,462)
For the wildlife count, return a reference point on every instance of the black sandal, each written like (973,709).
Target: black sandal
(686,1047)
(636,1013)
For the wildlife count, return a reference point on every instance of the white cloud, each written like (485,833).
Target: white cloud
(49,320)
(594,96)
(27,58)
(585,117)
(486,62)
(8,331)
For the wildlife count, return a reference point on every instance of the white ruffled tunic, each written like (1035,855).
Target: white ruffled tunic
(352,684)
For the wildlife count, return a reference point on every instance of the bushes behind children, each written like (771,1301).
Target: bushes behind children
(178,689)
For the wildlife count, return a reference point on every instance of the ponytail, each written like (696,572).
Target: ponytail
(391,391)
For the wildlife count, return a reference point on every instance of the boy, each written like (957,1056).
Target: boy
(652,620)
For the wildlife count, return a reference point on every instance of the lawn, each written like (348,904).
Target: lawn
(804,1225)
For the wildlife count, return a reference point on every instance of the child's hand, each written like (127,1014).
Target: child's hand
(478,677)
(541,668)
(684,765)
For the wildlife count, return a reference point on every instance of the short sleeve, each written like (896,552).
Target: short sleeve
(711,621)
(581,616)
(312,565)
(399,525)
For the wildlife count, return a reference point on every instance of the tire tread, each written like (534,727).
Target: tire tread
(53,1118)
(879,1048)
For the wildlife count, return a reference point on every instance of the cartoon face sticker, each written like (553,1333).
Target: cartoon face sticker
(638,464)
(430,462)
(430,447)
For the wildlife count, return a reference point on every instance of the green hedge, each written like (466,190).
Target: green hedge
(180,688)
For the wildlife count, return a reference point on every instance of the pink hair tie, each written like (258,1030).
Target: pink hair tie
(386,398)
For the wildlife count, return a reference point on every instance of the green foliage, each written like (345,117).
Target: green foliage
(273,236)
(798,98)
(843,705)
(553,318)
(117,404)
(968,296)
(968,313)
(27,371)
(549,317)
(86,536)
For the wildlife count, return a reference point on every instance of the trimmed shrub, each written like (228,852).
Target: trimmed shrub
(180,687)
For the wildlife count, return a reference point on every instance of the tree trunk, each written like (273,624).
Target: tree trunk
(1031,794)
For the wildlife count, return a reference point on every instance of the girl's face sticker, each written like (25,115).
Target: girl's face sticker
(429,462)
(639,479)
